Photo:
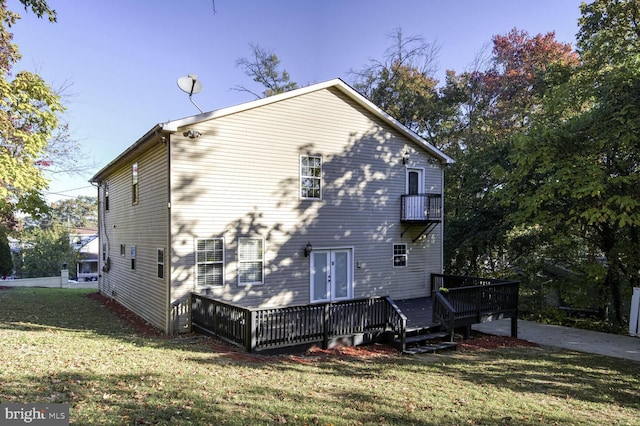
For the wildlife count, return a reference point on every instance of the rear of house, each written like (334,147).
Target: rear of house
(296,199)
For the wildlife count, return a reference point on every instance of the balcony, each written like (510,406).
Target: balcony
(421,208)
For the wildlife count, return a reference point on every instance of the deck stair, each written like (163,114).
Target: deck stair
(419,340)
(422,335)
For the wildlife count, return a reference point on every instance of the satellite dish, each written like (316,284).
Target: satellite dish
(190,85)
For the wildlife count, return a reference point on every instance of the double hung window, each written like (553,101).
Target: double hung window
(399,255)
(210,262)
(250,261)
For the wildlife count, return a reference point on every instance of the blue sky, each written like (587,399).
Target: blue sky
(122,58)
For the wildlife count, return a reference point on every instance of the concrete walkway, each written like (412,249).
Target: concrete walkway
(574,339)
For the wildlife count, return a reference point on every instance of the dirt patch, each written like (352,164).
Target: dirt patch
(361,352)
(4,287)
(488,342)
(140,325)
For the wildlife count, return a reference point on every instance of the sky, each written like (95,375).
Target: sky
(119,60)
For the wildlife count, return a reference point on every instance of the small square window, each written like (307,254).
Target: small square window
(399,255)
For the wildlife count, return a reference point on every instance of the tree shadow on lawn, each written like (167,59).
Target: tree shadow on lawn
(550,372)
(38,309)
(546,371)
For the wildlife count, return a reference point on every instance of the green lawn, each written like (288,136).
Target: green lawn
(60,346)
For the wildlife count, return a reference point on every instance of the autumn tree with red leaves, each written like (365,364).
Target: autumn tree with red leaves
(576,172)
(496,103)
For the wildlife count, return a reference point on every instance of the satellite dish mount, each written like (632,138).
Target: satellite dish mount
(190,85)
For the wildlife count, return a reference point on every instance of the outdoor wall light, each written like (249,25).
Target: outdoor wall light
(192,134)
(405,158)
(307,249)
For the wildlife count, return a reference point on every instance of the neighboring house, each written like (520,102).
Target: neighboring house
(309,196)
(86,243)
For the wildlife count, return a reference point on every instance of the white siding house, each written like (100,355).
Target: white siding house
(288,200)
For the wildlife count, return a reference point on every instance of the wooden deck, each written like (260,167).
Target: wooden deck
(419,312)
(463,301)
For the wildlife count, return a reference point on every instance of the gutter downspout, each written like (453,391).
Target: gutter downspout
(167,255)
(442,168)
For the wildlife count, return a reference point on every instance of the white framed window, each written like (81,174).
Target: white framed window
(123,251)
(160,261)
(135,189)
(133,257)
(250,261)
(106,196)
(311,177)
(209,262)
(399,255)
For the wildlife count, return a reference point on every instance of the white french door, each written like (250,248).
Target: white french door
(331,275)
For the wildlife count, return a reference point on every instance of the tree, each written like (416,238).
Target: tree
(80,212)
(576,172)
(495,105)
(44,251)
(263,69)
(28,117)
(402,84)
(6,260)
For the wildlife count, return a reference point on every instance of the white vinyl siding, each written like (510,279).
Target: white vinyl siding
(363,179)
(145,226)
(210,262)
(250,261)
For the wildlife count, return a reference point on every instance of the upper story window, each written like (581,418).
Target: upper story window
(310,177)
(106,196)
(133,257)
(135,191)
(210,262)
(250,261)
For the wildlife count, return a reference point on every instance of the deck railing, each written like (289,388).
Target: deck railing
(272,328)
(421,207)
(461,301)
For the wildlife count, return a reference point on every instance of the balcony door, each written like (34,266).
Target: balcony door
(414,207)
(331,275)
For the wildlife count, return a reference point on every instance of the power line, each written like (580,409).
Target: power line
(62,193)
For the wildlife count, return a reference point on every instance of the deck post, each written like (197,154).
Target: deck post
(251,331)
(514,324)
(325,326)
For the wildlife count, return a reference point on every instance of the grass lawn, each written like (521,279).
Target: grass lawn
(57,345)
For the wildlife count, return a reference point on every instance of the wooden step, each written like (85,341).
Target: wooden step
(430,348)
(417,338)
